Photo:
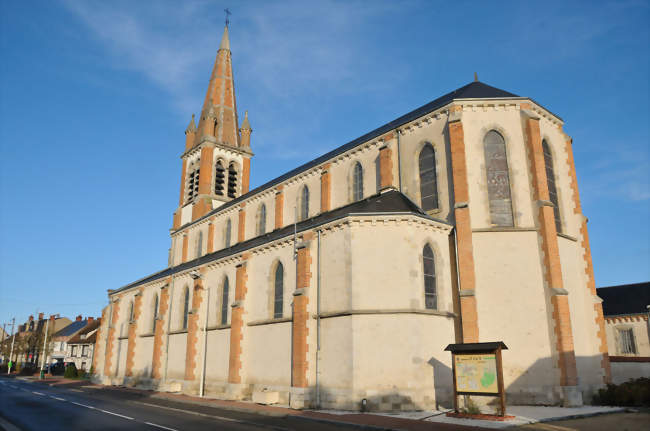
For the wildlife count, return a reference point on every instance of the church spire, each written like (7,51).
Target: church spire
(218,122)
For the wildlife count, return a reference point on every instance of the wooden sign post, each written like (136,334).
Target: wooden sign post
(477,369)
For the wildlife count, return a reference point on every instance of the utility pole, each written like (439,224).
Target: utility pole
(47,325)
(13,338)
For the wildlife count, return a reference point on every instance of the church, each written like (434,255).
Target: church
(345,279)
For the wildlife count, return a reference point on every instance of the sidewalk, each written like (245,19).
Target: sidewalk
(416,421)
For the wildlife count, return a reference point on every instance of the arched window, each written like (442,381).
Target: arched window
(193,181)
(430,294)
(186,307)
(278,291)
(228,233)
(498,180)
(550,180)
(357,182)
(224,302)
(219,178)
(199,244)
(131,312)
(304,203)
(261,220)
(428,178)
(155,313)
(232,181)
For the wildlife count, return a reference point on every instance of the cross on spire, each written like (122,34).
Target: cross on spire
(228,13)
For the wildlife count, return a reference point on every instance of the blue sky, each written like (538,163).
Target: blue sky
(95,96)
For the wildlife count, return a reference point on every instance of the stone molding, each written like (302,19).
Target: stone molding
(351,312)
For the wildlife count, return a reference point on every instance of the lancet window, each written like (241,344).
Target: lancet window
(304,204)
(498,179)
(224,302)
(428,178)
(261,220)
(193,181)
(430,293)
(357,182)
(232,180)
(550,181)
(219,178)
(155,313)
(278,291)
(228,233)
(186,307)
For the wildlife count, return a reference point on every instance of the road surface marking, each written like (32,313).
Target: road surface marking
(214,416)
(83,405)
(160,426)
(37,393)
(76,390)
(116,414)
(56,398)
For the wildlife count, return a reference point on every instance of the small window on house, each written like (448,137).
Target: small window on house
(224,302)
(261,220)
(550,181)
(131,312)
(219,178)
(155,313)
(232,181)
(83,365)
(304,204)
(430,294)
(228,233)
(498,179)
(84,351)
(199,244)
(357,182)
(428,178)
(74,351)
(278,291)
(186,307)
(626,341)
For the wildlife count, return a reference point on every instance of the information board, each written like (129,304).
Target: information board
(476,373)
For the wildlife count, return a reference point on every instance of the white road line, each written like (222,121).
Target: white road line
(116,414)
(83,405)
(37,393)
(76,390)
(56,398)
(160,426)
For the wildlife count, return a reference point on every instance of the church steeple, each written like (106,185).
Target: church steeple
(219,113)
(215,147)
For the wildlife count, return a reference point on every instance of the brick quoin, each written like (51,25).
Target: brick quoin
(279,207)
(156,361)
(101,332)
(133,326)
(589,269)
(108,361)
(300,348)
(466,270)
(193,331)
(241,225)
(245,176)
(237,323)
(385,167)
(551,252)
(325,188)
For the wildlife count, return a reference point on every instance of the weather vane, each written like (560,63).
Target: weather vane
(228,13)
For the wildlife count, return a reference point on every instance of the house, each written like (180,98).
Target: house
(59,341)
(28,343)
(81,347)
(626,309)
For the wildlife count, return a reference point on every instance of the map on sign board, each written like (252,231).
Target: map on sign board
(476,373)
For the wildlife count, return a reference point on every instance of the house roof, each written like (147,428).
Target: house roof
(71,328)
(390,201)
(473,90)
(92,326)
(625,299)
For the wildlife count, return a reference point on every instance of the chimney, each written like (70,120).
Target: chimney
(40,316)
(78,318)
(52,317)
(31,318)
(90,320)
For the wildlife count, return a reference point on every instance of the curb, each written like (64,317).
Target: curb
(580,416)
(341,423)
(207,403)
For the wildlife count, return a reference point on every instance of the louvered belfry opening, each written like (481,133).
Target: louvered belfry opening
(193,183)
(219,178)
(232,181)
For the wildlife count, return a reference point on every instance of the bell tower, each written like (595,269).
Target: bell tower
(216,161)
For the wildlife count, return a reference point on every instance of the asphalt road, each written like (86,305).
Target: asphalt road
(33,406)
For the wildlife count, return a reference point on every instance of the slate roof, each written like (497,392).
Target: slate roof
(387,202)
(473,90)
(71,328)
(625,299)
(89,328)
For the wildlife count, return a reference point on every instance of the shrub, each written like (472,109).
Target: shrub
(70,372)
(634,392)
(81,374)
(471,408)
